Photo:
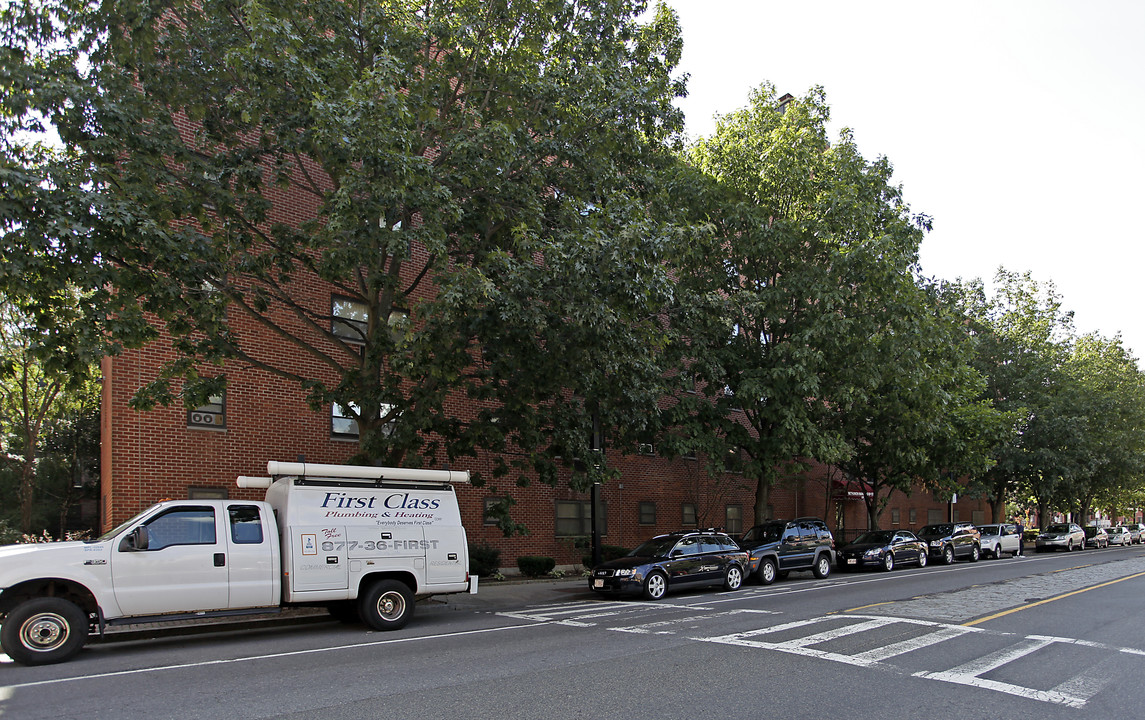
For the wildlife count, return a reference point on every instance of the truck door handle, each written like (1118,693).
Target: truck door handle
(220,559)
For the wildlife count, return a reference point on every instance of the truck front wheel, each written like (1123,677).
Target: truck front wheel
(43,630)
(387,605)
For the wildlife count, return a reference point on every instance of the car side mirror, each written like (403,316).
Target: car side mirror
(137,539)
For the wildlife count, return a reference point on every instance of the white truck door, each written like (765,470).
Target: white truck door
(183,568)
(250,556)
(445,554)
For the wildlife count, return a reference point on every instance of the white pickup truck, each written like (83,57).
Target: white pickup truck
(364,542)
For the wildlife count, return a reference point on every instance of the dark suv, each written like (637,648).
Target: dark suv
(780,546)
(952,540)
(667,562)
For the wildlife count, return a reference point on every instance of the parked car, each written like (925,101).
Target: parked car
(673,561)
(1067,536)
(950,541)
(1000,538)
(1136,531)
(780,546)
(883,548)
(1096,537)
(1120,536)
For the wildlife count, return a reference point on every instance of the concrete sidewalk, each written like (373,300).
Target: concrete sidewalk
(492,596)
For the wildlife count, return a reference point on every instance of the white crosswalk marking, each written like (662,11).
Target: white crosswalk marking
(814,638)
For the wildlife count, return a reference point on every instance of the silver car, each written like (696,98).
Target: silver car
(998,539)
(1061,536)
(1120,536)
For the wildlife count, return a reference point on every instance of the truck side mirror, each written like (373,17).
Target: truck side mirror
(135,540)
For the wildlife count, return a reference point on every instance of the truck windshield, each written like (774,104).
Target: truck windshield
(116,530)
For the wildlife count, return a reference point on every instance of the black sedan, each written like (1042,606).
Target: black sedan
(673,561)
(883,548)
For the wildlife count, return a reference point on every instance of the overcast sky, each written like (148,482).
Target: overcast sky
(1017,125)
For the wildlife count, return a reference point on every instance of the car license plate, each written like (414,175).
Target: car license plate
(598,583)
(852,561)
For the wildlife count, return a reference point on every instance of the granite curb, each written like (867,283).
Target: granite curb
(491,596)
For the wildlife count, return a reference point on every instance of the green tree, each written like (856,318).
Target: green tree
(1021,339)
(804,236)
(42,407)
(922,419)
(1110,447)
(473,174)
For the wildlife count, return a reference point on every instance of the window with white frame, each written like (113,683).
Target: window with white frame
(344,420)
(349,318)
(212,414)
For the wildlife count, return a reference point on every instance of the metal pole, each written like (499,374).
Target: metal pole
(595,524)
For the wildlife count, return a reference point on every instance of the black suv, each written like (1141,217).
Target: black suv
(779,546)
(667,562)
(952,540)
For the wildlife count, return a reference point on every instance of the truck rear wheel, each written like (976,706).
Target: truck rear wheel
(43,630)
(387,605)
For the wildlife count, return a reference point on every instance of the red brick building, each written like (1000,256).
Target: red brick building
(175,453)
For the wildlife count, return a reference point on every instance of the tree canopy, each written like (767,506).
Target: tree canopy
(807,245)
(467,175)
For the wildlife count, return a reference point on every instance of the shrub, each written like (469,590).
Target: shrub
(484,559)
(535,565)
(607,552)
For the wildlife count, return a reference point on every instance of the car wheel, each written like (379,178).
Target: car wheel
(44,630)
(975,553)
(387,605)
(733,578)
(767,571)
(655,586)
(889,562)
(1069,546)
(822,566)
(948,555)
(996,552)
(922,559)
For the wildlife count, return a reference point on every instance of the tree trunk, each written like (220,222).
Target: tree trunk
(762,497)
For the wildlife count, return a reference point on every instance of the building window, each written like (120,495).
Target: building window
(935,515)
(978,517)
(343,420)
(688,514)
(913,516)
(344,423)
(647,513)
(206,493)
(211,415)
(487,517)
(574,518)
(895,516)
(733,515)
(647,449)
(348,319)
(733,461)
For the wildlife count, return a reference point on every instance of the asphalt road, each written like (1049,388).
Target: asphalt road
(1049,636)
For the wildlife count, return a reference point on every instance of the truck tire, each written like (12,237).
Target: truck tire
(386,605)
(43,630)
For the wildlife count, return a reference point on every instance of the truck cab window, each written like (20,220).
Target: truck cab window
(182,526)
(246,524)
